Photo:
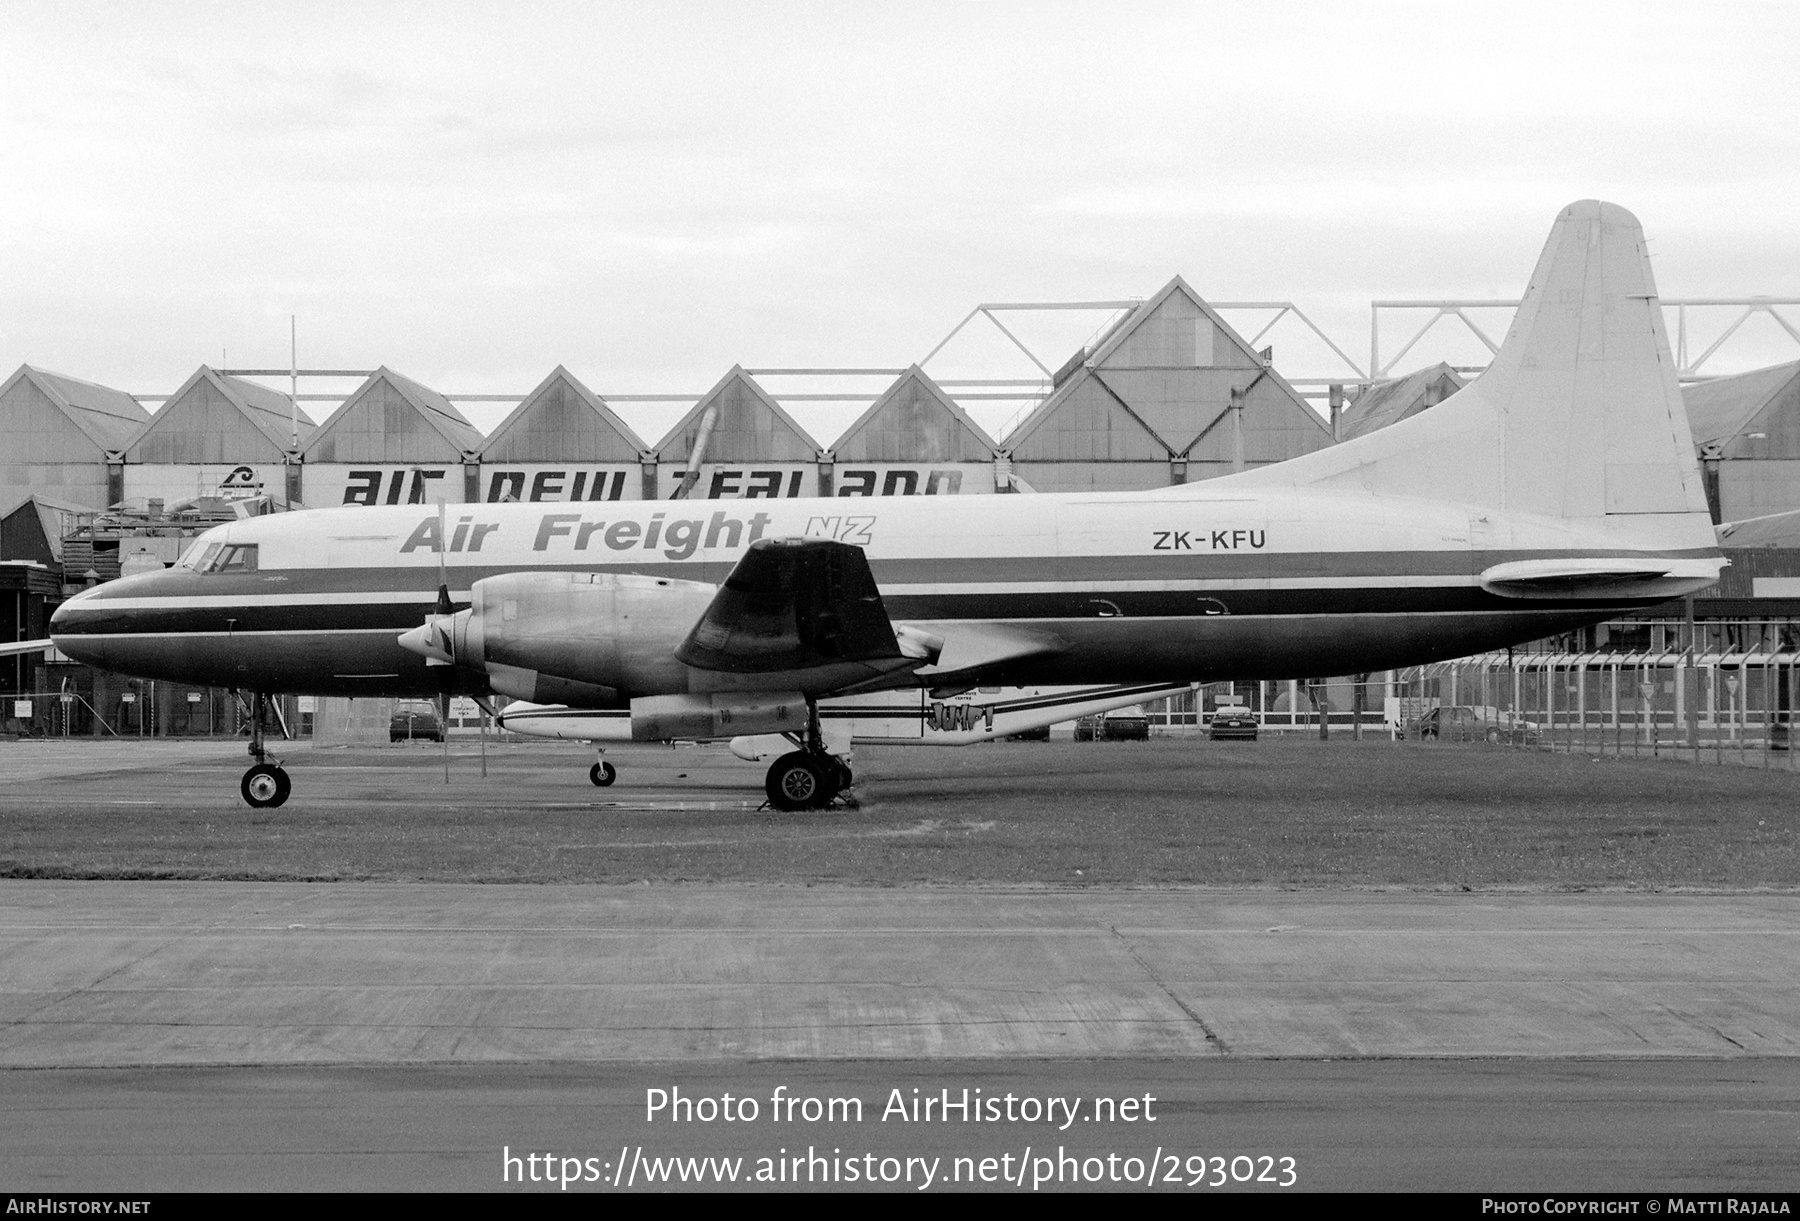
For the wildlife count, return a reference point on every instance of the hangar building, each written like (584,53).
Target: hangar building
(1747,428)
(562,442)
(1389,402)
(65,437)
(1169,395)
(916,440)
(216,431)
(736,442)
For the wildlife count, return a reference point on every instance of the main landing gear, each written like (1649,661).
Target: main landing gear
(809,778)
(266,784)
(602,773)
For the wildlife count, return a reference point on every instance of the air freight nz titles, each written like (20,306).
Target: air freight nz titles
(679,537)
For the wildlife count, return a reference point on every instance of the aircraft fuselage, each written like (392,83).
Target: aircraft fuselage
(1182,584)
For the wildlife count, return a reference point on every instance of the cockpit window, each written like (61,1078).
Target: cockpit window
(232,557)
(200,551)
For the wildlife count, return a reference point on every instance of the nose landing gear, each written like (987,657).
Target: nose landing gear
(266,784)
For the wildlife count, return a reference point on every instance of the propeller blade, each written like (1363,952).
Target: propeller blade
(443,598)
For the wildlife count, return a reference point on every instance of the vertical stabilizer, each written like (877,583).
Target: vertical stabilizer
(1579,416)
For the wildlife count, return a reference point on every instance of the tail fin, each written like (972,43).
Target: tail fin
(1579,416)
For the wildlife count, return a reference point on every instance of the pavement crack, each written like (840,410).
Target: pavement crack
(1193,1015)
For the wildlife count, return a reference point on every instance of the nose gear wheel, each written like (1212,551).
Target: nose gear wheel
(265,786)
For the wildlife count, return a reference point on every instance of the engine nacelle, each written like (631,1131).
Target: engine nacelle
(580,638)
(658,718)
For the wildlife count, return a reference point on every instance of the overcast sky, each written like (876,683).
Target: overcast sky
(650,193)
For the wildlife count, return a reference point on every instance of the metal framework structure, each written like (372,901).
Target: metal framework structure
(1032,390)
(1686,369)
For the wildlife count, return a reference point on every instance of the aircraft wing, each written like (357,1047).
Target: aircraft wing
(14,648)
(796,604)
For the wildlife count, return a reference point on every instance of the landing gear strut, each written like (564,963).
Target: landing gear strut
(266,784)
(808,778)
(602,773)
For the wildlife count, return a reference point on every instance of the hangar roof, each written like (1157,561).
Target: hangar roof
(32,527)
(751,427)
(1155,387)
(563,421)
(1389,402)
(1727,410)
(914,421)
(1773,530)
(51,417)
(391,418)
(216,418)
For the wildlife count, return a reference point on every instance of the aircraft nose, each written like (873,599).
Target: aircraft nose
(76,644)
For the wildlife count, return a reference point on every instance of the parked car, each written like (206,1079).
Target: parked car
(1119,725)
(415,719)
(1232,722)
(1461,723)
(1456,723)
(1131,724)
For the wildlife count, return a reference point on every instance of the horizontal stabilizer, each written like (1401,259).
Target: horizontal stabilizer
(1595,578)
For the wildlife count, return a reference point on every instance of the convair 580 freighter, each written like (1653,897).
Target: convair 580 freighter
(1559,489)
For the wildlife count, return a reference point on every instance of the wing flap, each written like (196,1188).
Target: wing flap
(793,605)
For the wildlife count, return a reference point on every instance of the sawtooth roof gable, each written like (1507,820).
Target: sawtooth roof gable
(1085,421)
(47,416)
(216,418)
(1389,402)
(1772,530)
(1163,332)
(1727,411)
(914,421)
(32,527)
(563,421)
(751,427)
(391,418)
(1158,384)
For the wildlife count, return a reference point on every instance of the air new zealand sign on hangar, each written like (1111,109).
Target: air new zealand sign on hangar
(327,484)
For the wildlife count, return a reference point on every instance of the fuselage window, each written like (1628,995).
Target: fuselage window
(238,557)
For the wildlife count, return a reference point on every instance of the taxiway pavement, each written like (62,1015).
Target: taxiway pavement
(193,973)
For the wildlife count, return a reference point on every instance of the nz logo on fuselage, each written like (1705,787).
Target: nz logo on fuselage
(850,529)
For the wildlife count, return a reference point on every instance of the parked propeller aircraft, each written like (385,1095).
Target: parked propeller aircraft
(1559,489)
(910,717)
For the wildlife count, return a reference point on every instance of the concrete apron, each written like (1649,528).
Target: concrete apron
(129,973)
